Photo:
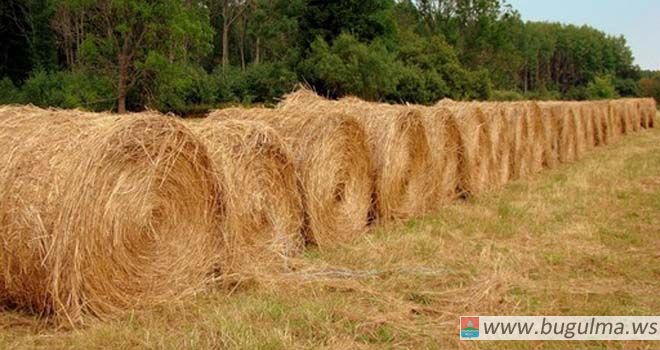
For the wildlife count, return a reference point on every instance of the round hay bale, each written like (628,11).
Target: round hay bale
(476,166)
(550,136)
(444,147)
(263,224)
(333,166)
(501,143)
(589,128)
(621,120)
(517,120)
(564,123)
(596,123)
(580,127)
(401,157)
(643,112)
(100,215)
(398,147)
(536,137)
(650,111)
(634,109)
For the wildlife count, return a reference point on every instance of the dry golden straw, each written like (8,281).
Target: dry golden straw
(476,165)
(263,226)
(99,214)
(518,125)
(332,163)
(500,137)
(398,148)
(444,148)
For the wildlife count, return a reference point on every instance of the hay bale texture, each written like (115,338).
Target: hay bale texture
(99,214)
(397,145)
(500,137)
(264,211)
(649,111)
(444,148)
(333,168)
(517,118)
(476,157)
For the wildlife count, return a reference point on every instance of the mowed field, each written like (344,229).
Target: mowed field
(581,239)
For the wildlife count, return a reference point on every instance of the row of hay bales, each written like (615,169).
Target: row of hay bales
(101,214)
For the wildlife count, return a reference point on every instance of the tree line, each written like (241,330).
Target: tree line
(190,55)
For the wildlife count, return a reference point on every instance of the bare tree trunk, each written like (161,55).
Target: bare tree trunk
(225,44)
(257,51)
(122,86)
(241,46)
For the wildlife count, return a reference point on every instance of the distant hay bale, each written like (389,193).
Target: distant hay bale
(635,114)
(517,119)
(621,118)
(565,126)
(263,225)
(550,137)
(603,115)
(333,166)
(536,136)
(476,166)
(100,214)
(501,142)
(648,110)
(580,129)
(596,124)
(398,147)
(444,147)
(585,110)
(400,152)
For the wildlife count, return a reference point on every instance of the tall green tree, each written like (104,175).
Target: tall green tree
(127,37)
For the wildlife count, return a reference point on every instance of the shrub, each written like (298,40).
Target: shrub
(68,90)
(10,94)
(601,88)
(506,95)
(650,87)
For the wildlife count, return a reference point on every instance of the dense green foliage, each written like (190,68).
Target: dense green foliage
(650,85)
(185,55)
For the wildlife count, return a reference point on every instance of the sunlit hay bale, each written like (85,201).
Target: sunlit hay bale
(516,116)
(446,102)
(585,111)
(401,157)
(580,134)
(643,112)
(610,129)
(596,124)
(334,169)
(564,123)
(398,147)
(651,111)
(444,147)
(648,110)
(100,215)
(621,120)
(501,142)
(475,166)
(536,137)
(550,136)
(263,226)
(634,111)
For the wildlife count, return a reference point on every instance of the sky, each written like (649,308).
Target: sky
(637,20)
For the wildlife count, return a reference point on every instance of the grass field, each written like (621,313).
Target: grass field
(582,239)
